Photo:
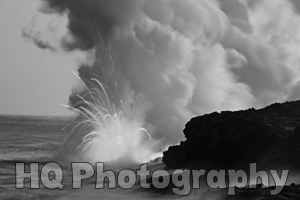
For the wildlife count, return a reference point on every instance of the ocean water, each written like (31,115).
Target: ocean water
(25,139)
(39,140)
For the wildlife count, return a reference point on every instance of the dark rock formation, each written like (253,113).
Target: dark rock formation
(269,137)
(288,192)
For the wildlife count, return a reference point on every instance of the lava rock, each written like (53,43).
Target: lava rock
(269,137)
(288,192)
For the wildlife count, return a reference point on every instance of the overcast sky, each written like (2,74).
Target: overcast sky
(33,81)
(240,53)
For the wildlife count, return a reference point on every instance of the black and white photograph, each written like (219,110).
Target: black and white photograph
(150,99)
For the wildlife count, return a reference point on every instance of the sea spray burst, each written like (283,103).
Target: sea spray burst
(111,130)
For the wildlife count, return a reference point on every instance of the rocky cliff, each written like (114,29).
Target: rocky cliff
(269,137)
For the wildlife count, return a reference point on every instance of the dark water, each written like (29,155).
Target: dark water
(28,138)
(24,139)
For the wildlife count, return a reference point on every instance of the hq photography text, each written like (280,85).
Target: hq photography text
(182,181)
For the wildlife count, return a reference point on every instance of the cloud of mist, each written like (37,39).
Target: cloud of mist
(189,57)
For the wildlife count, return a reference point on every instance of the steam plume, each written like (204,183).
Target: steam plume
(188,57)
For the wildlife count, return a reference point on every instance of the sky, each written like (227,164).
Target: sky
(198,56)
(33,81)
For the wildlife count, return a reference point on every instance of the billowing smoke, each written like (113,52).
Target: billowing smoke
(188,57)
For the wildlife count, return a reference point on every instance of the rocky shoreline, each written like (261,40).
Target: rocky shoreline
(291,192)
(269,137)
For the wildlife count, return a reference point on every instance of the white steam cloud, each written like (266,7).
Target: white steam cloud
(189,57)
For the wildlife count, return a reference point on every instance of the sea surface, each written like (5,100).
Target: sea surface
(32,139)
